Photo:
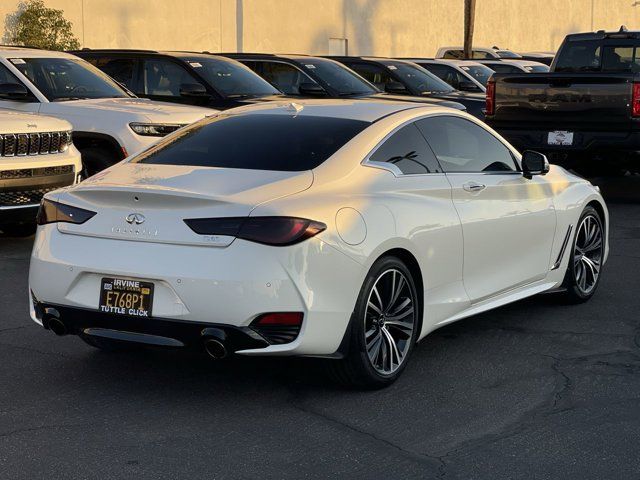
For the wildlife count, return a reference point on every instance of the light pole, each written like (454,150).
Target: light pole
(469,15)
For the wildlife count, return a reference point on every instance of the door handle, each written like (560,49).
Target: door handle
(473,187)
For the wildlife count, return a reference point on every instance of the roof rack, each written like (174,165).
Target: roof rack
(87,49)
(22,46)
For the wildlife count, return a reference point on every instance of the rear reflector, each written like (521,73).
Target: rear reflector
(287,318)
(635,100)
(278,328)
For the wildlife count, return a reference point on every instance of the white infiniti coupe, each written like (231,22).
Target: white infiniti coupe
(340,229)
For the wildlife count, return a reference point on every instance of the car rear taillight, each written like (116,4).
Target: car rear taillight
(635,100)
(276,231)
(278,327)
(490,97)
(54,212)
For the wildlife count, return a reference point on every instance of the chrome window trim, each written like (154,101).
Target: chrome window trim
(9,207)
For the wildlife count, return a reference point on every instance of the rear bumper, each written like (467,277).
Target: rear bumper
(197,286)
(589,143)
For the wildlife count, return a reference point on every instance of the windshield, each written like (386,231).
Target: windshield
(507,54)
(338,77)
(230,78)
(479,72)
(67,78)
(536,68)
(596,56)
(290,143)
(418,79)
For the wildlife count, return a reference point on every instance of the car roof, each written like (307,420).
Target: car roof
(514,61)
(25,52)
(166,53)
(444,61)
(366,110)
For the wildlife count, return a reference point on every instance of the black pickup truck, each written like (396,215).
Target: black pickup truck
(585,113)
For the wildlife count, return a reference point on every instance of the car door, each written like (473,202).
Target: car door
(28,104)
(418,196)
(508,221)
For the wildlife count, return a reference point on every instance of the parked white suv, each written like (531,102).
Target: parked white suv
(36,156)
(109,122)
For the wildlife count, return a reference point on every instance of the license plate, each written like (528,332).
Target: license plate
(126,297)
(560,137)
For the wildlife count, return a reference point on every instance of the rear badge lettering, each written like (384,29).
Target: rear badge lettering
(135,232)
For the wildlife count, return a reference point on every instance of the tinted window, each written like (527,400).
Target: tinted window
(504,68)
(446,73)
(453,54)
(536,68)
(67,78)
(479,72)
(579,56)
(508,54)
(257,142)
(462,146)
(338,77)
(407,150)
(163,78)
(7,77)
(417,79)
(230,78)
(375,74)
(121,70)
(285,77)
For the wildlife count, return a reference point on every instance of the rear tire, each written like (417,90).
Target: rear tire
(585,262)
(383,329)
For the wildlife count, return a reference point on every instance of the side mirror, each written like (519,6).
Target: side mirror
(13,91)
(395,87)
(311,88)
(468,86)
(534,163)
(193,90)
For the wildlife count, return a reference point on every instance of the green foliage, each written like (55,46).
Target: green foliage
(35,25)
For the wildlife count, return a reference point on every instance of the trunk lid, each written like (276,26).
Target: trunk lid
(142,202)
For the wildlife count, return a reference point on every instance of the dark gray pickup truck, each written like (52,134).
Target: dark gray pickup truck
(585,113)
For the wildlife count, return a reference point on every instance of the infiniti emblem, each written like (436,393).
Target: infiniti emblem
(135,218)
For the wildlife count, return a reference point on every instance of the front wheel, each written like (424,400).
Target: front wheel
(384,327)
(585,264)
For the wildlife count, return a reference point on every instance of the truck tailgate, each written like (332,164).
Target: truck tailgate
(564,102)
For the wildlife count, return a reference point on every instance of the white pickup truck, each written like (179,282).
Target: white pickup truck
(36,156)
(109,122)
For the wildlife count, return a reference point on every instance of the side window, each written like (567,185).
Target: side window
(6,76)
(456,54)
(377,75)
(163,78)
(122,70)
(480,55)
(446,73)
(407,150)
(284,77)
(462,146)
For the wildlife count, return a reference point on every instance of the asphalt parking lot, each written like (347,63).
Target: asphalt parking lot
(532,390)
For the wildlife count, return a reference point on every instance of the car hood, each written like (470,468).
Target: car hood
(18,122)
(138,109)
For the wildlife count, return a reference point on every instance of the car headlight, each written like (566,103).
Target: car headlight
(54,212)
(154,129)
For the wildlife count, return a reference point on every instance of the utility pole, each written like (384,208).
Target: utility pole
(469,17)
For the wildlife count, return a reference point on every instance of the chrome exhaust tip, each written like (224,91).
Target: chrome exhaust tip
(215,349)
(57,327)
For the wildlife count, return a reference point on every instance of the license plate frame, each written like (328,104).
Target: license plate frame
(562,138)
(126,297)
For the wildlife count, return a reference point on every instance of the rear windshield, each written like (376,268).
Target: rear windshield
(256,142)
(596,56)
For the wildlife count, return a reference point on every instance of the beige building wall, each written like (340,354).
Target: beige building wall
(371,27)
